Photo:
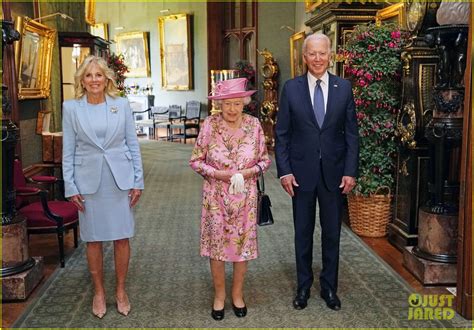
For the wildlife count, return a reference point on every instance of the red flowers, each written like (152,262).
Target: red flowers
(372,60)
(117,64)
(395,34)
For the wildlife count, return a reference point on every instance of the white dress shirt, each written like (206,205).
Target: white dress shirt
(324,86)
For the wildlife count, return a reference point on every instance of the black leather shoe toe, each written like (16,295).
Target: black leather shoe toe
(218,315)
(331,299)
(239,311)
(301,299)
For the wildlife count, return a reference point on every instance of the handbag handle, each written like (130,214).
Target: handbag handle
(260,177)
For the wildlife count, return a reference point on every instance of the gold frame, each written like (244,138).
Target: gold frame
(389,13)
(100,30)
(297,52)
(47,36)
(139,40)
(90,12)
(311,5)
(184,68)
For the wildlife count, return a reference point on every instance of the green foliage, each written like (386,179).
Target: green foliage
(372,60)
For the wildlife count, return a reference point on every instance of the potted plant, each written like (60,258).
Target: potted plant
(117,64)
(372,59)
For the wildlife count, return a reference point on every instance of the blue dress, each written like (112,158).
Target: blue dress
(107,215)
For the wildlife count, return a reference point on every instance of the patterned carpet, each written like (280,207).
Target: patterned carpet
(170,286)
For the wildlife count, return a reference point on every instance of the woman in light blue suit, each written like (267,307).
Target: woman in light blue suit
(102,171)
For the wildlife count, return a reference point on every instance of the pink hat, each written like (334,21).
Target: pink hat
(231,88)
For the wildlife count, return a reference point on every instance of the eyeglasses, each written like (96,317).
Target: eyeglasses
(316,54)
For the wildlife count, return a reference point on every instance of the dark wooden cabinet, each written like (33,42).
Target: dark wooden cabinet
(74,47)
(413,159)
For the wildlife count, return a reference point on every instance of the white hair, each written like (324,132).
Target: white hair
(316,37)
(245,100)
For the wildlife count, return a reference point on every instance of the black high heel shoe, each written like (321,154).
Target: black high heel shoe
(239,311)
(218,315)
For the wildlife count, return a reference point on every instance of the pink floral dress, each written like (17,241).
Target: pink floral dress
(228,222)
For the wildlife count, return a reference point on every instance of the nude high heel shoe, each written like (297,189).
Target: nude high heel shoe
(98,309)
(123,307)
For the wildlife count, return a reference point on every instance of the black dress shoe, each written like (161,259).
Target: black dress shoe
(331,299)
(218,315)
(239,311)
(301,299)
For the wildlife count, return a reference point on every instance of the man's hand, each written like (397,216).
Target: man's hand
(134,195)
(287,183)
(347,183)
(78,200)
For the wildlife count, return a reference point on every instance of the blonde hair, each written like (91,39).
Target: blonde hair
(111,86)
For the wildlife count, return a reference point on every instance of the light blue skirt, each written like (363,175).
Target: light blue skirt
(107,215)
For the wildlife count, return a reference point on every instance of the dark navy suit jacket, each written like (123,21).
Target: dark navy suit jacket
(302,146)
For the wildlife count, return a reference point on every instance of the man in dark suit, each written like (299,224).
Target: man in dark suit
(317,155)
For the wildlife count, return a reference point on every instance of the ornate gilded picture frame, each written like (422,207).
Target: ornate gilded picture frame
(134,47)
(311,5)
(298,67)
(33,57)
(392,14)
(176,52)
(90,11)
(100,30)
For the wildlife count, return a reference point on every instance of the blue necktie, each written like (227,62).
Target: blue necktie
(318,103)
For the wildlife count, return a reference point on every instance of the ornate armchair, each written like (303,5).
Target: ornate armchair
(187,125)
(45,216)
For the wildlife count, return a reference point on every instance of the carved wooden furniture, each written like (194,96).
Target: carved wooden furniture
(45,216)
(419,79)
(269,107)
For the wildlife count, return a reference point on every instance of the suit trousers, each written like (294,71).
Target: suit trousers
(304,211)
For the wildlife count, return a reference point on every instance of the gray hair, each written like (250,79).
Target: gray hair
(316,37)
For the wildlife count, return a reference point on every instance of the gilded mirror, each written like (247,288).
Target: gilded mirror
(33,56)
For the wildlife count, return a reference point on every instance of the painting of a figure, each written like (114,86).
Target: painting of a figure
(296,52)
(134,47)
(29,60)
(176,52)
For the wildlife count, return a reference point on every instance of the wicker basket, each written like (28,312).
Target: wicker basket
(369,216)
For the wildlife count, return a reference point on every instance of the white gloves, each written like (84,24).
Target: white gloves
(236,184)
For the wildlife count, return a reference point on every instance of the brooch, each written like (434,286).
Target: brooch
(113,109)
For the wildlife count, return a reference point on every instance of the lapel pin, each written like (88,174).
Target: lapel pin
(335,85)
(113,109)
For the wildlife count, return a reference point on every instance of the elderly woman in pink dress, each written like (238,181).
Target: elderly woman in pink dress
(229,153)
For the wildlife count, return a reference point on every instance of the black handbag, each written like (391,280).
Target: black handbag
(264,212)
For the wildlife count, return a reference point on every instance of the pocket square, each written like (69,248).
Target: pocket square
(335,86)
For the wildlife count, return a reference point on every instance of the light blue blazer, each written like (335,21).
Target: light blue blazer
(83,155)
